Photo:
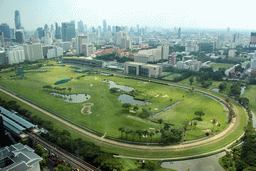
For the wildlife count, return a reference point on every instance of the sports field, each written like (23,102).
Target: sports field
(107,114)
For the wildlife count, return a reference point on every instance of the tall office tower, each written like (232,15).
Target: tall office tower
(6,30)
(3,59)
(57,31)
(175,30)
(118,29)
(12,33)
(236,39)
(19,36)
(109,28)
(33,51)
(85,28)
(80,27)
(68,31)
(138,28)
(80,40)
(104,26)
(88,49)
(39,32)
(252,45)
(1,39)
(164,51)
(179,33)
(17,20)
(113,29)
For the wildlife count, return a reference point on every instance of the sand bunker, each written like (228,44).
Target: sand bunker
(207,130)
(144,94)
(91,85)
(165,96)
(156,108)
(215,123)
(157,95)
(89,105)
(132,111)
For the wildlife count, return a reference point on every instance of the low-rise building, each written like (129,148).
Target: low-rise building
(142,69)
(19,157)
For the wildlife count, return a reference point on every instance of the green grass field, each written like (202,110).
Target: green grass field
(250,94)
(107,113)
(171,77)
(220,65)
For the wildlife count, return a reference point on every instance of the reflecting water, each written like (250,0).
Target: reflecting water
(242,90)
(73,98)
(216,89)
(125,98)
(112,84)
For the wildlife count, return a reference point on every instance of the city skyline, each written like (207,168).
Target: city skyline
(184,14)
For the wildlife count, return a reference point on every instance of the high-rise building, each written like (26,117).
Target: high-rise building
(68,31)
(138,28)
(252,45)
(17,20)
(12,33)
(80,27)
(80,40)
(104,26)
(6,30)
(19,34)
(3,59)
(39,33)
(88,49)
(57,31)
(33,52)
(179,33)
(118,28)
(164,51)
(109,28)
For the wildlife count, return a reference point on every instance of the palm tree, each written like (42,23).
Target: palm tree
(218,126)
(70,91)
(157,131)
(151,134)
(122,130)
(214,121)
(133,134)
(127,131)
(139,132)
(145,134)
(195,123)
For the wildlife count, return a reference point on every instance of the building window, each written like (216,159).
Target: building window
(144,72)
(132,70)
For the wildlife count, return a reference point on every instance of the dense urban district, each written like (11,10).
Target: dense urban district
(119,98)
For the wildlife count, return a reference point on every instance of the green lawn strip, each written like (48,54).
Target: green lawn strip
(220,65)
(250,94)
(171,77)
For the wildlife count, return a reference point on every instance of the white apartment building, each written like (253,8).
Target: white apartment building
(232,53)
(15,54)
(65,46)
(80,40)
(164,51)
(141,69)
(33,51)
(88,49)
(55,52)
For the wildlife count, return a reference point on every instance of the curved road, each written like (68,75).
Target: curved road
(180,147)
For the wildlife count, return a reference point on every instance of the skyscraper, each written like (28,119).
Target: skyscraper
(19,36)
(179,33)
(6,30)
(80,27)
(17,20)
(68,31)
(57,31)
(104,26)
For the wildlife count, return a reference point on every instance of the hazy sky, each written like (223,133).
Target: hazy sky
(157,13)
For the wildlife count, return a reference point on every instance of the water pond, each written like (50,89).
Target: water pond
(125,98)
(73,98)
(112,84)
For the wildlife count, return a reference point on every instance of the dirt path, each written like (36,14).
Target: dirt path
(89,105)
(99,140)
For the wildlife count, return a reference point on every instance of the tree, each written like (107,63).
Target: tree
(69,89)
(127,131)
(200,114)
(157,131)
(151,135)
(145,134)
(191,80)
(218,126)
(139,132)
(195,123)
(121,130)
(185,123)
(222,86)
(214,121)
(113,90)
(160,121)
(135,108)
(166,126)
(126,106)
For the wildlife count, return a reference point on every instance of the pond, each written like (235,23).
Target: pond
(216,89)
(242,90)
(112,84)
(125,98)
(75,98)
